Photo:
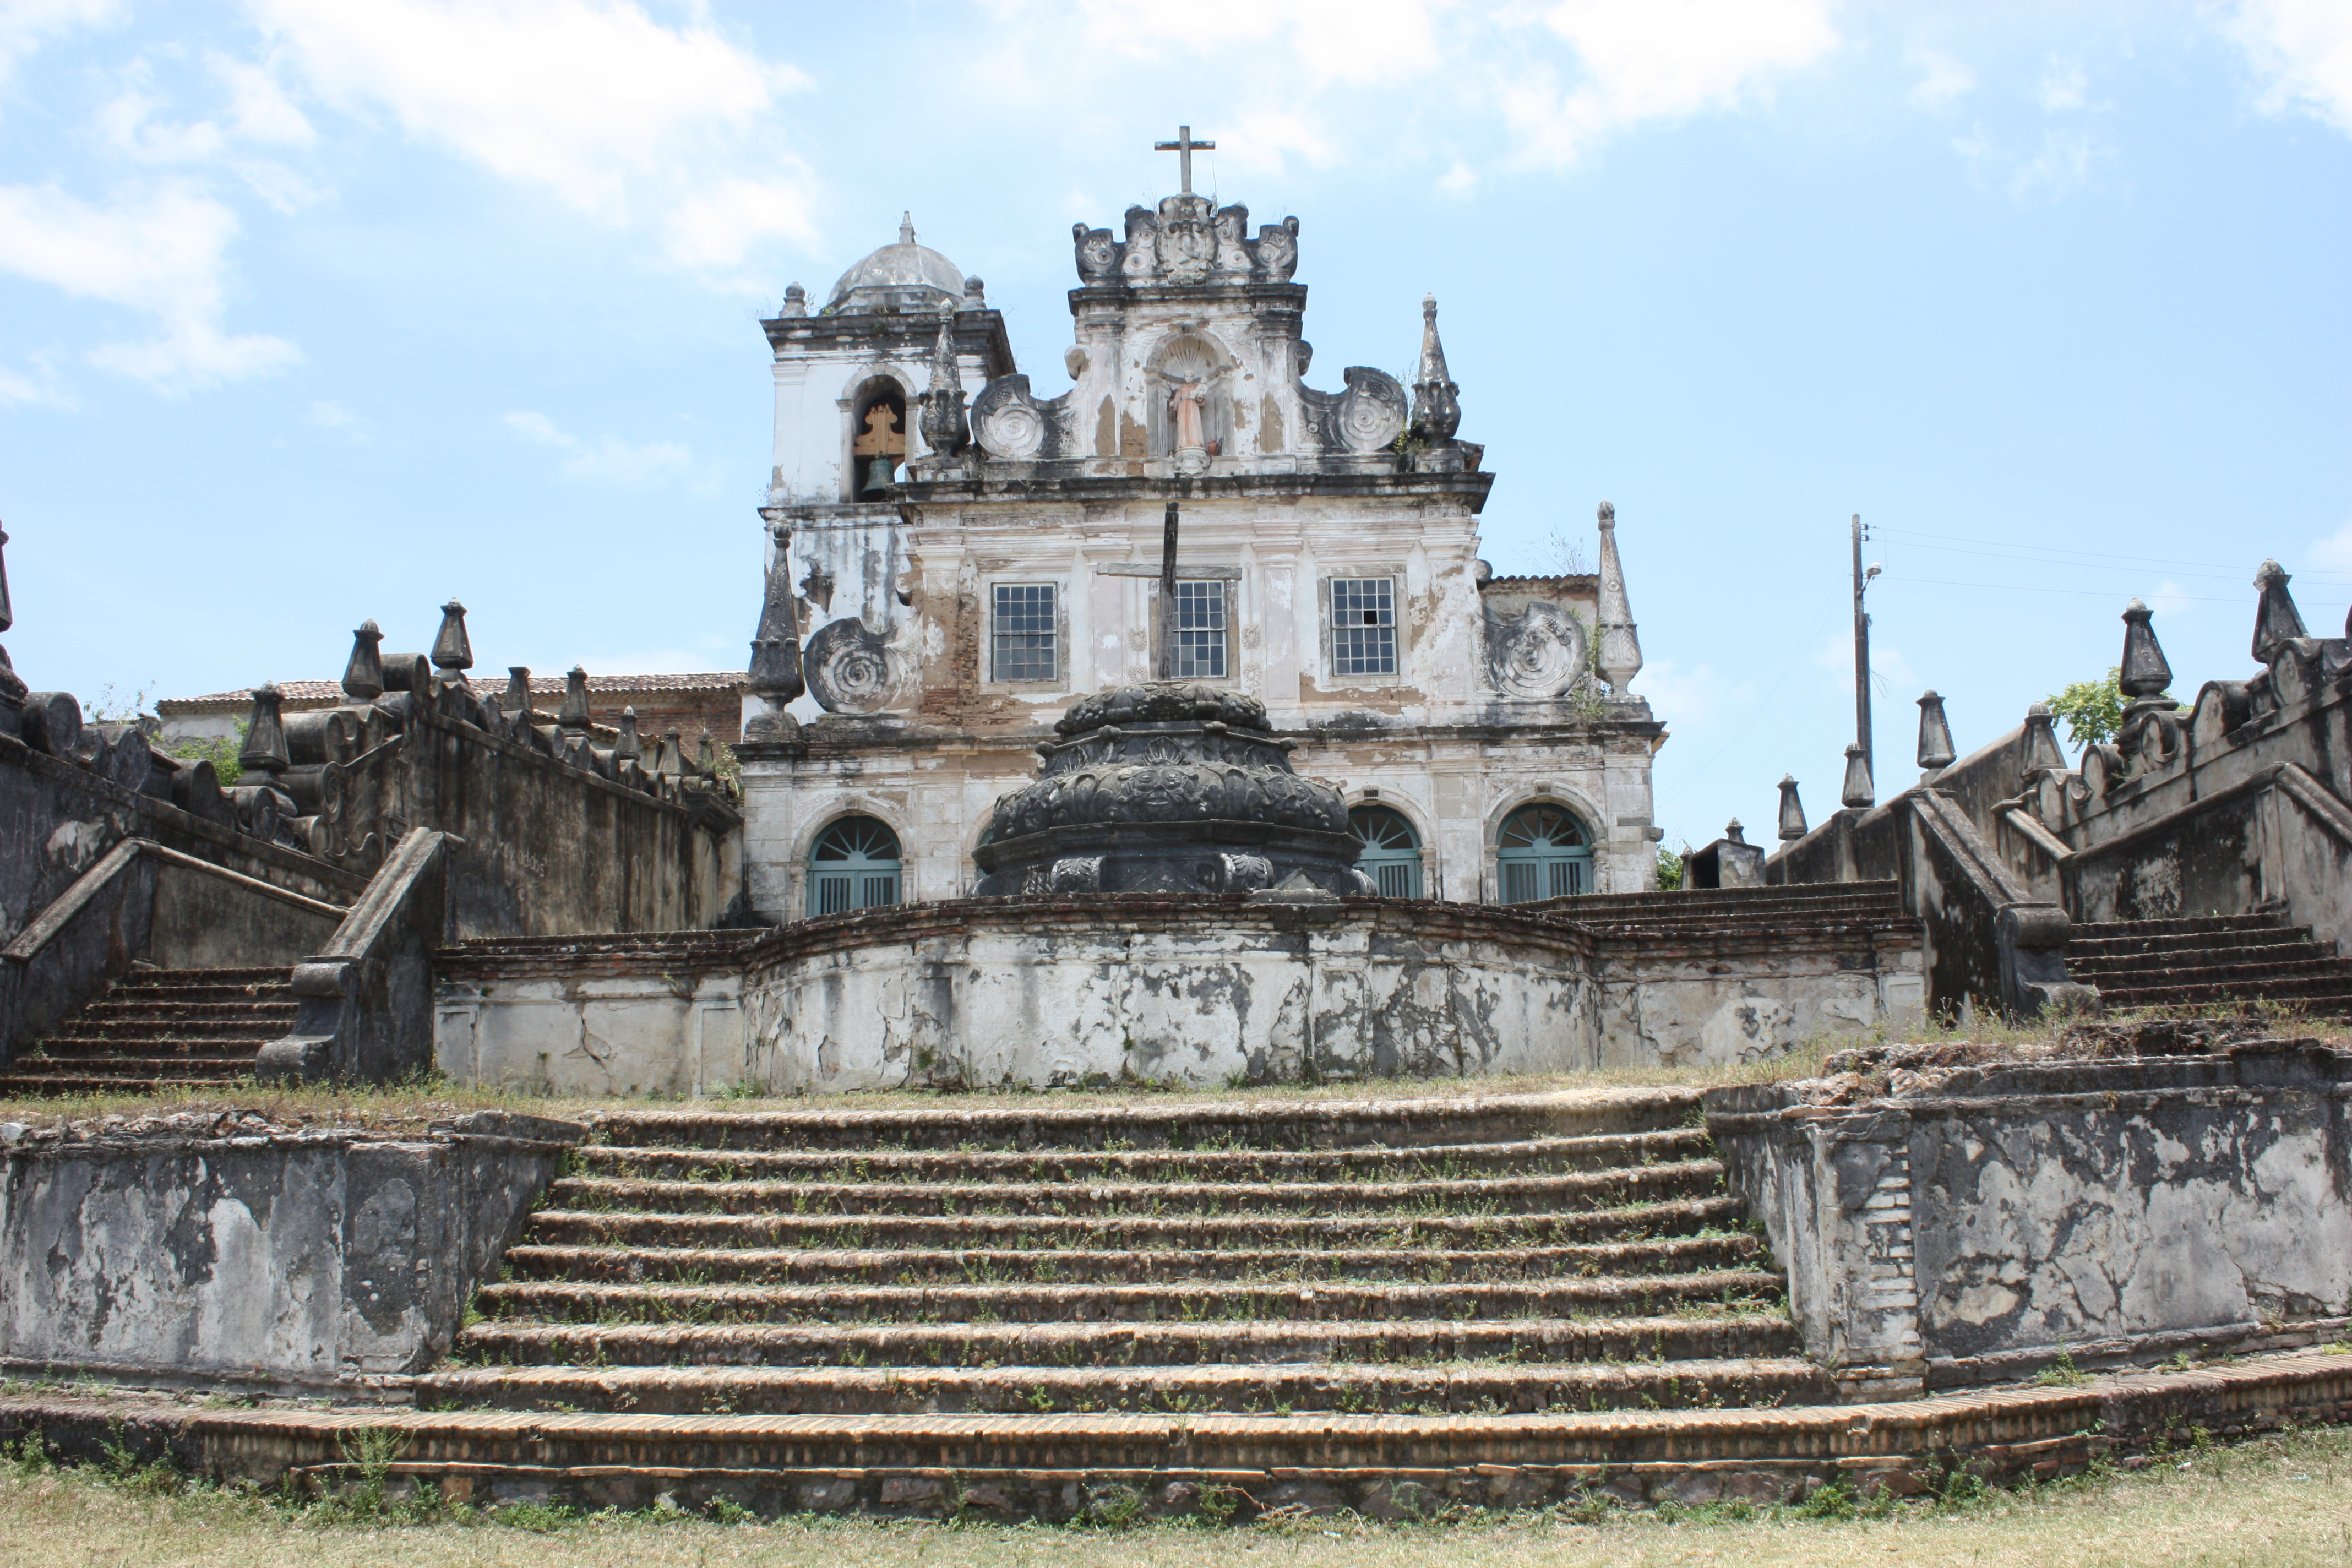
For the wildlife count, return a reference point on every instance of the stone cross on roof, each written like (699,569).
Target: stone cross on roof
(1184,147)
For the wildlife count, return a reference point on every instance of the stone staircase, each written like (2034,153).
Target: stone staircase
(1047,1277)
(2220,959)
(159,1029)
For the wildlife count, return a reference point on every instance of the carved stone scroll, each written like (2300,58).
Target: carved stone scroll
(851,669)
(1537,654)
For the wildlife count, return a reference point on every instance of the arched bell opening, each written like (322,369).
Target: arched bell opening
(877,439)
(1543,852)
(854,864)
(1390,853)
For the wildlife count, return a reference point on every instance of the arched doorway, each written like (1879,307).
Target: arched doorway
(1543,852)
(1390,855)
(854,865)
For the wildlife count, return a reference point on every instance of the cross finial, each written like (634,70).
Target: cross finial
(1184,147)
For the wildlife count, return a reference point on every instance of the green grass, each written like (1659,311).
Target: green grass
(2282,1502)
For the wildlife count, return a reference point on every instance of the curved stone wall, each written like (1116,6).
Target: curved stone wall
(1203,991)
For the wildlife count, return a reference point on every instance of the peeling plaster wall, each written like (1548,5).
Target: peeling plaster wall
(1980,1225)
(1201,990)
(301,1260)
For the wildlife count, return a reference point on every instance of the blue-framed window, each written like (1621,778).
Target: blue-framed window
(1390,853)
(1543,852)
(854,865)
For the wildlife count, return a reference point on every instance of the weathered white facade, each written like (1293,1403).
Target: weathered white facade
(1328,565)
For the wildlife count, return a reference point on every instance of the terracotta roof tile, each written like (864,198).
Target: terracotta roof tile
(315,693)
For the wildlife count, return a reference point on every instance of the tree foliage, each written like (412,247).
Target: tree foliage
(2094,709)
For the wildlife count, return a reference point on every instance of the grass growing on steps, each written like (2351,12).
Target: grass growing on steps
(2281,1502)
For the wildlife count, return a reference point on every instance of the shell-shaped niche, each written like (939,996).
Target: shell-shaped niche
(852,669)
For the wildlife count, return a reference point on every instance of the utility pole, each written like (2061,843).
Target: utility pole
(1860,648)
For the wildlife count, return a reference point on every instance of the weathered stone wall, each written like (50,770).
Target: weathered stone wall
(583,1015)
(1198,990)
(1976,1223)
(296,1259)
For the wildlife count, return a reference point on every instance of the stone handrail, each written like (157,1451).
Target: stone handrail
(91,935)
(364,1005)
(1989,939)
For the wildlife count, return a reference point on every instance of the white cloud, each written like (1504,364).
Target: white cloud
(331,416)
(1359,42)
(26,25)
(1680,696)
(1660,59)
(19,390)
(161,253)
(1942,79)
(608,459)
(2304,49)
(592,101)
(2170,599)
(2064,87)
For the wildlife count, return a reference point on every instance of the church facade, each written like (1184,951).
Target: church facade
(962,558)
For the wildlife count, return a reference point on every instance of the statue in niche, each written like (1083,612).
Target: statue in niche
(1188,398)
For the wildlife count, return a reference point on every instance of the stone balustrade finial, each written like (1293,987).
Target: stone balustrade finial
(453,654)
(363,671)
(627,748)
(1935,733)
(1792,810)
(2144,672)
(2276,620)
(517,698)
(264,751)
(1859,791)
(573,714)
(2042,748)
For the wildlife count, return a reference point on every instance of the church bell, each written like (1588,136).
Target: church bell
(880,474)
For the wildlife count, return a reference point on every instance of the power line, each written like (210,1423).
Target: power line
(2012,547)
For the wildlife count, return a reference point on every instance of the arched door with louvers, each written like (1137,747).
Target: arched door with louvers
(854,865)
(1543,852)
(1390,855)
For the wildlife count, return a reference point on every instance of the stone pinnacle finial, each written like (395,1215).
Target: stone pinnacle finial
(1732,831)
(2042,748)
(8,615)
(776,646)
(573,714)
(945,427)
(2144,672)
(264,751)
(2276,620)
(1859,792)
(906,228)
(1935,733)
(795,300)
(1436,404)
(1792,810)
(517,700)
(363,672)
(628,749)
(1621,648)
(670,763)
(453,654)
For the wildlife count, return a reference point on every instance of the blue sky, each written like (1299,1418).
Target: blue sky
(312,311)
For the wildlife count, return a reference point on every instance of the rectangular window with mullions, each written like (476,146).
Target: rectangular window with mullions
(1363,626)
(1201,631)
(1024,632)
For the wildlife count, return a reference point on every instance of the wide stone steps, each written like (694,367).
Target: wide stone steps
(1450,1388)
(1187,1300)
(1532,1155)
(795,1265)
(1580,1189)
(1040,1262)
(1043,1233)
(2213,960)
(159,1029)
(1717,1335)
(1391,1125)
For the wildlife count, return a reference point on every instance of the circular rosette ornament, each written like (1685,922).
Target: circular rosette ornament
(1537,654)
(851,669)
